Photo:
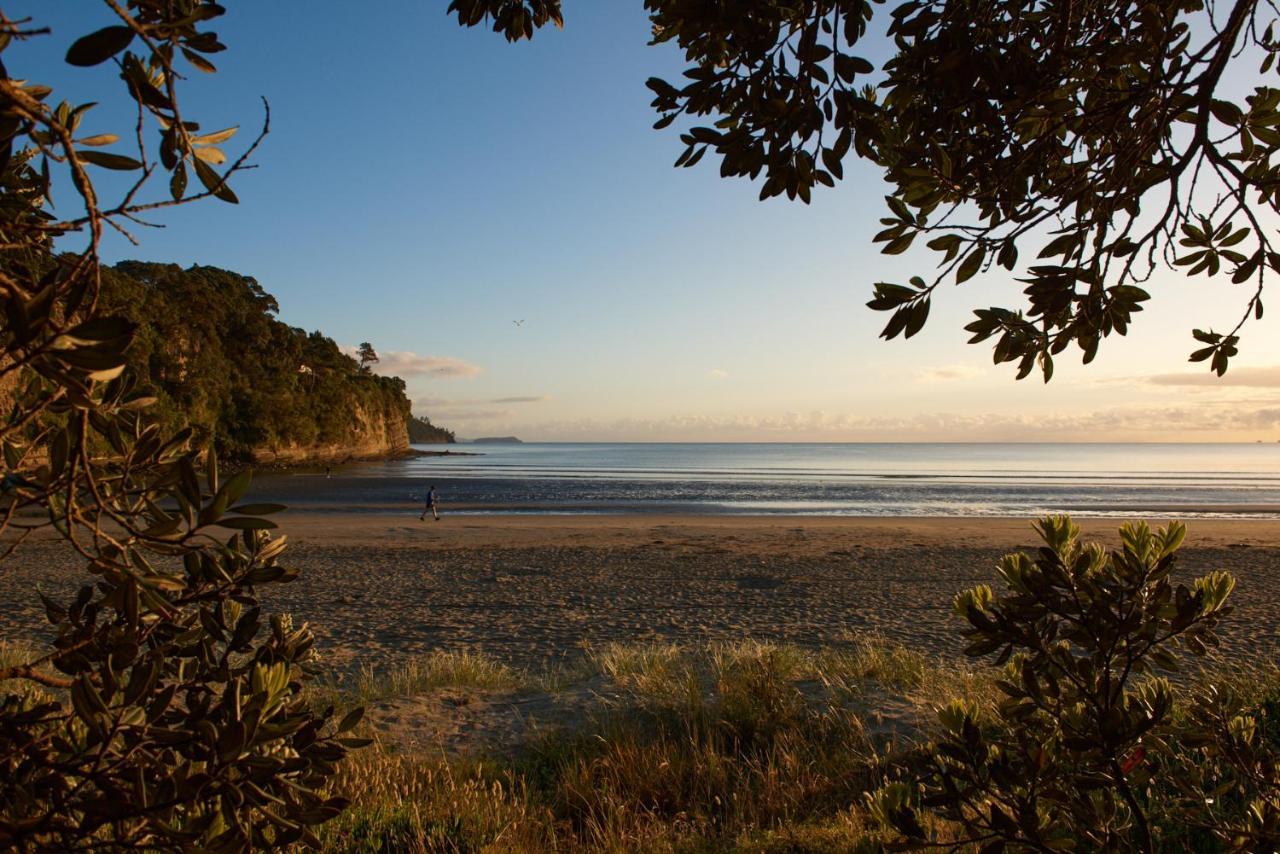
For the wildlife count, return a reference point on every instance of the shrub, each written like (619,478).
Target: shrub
(167,714)
(1074,753)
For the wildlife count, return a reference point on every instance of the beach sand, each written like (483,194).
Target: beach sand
(533,590)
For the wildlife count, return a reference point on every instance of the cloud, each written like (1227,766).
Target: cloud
(428,402)
(1237,377)
(405,363)
(445,416)
(718,374)
(946,373)
(1117,424)
(451,410)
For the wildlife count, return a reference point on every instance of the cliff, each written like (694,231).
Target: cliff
(210,346)
(375,433)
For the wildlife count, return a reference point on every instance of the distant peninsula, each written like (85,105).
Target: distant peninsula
(423,432)
(497,440)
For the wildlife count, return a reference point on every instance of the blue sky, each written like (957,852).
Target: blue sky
(424,186)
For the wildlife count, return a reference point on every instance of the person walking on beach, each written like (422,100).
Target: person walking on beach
(431,505)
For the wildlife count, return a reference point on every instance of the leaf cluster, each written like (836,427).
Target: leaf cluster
(785,90)
(182,723)
(1086,729)
(513,19)
(166,713)
(1100,136)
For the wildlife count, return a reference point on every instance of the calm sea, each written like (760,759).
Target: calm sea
(837,479)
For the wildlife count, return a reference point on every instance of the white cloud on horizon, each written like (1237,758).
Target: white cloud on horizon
(718,374)
(473,401)
(406,363)
(946,373)
(1261,377)
(442,417)
(1118,424)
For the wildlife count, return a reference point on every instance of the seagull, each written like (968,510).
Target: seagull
(518,322)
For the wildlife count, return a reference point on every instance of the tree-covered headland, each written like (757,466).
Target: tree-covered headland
(242,378)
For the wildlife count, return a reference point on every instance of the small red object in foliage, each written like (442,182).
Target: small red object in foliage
(1133,760)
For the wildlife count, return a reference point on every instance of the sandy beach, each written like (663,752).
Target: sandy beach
(536,589)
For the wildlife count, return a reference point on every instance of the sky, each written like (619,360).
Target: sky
(424,187)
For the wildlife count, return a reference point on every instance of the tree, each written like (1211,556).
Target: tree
(167,713)
(368,356)
(1098,138)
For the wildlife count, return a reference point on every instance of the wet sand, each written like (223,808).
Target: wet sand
(536,589)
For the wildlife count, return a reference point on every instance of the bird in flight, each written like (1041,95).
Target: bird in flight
(518,322)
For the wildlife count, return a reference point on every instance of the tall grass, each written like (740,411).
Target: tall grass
(423,674)
(749,746)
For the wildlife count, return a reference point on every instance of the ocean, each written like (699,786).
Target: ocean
(852,479)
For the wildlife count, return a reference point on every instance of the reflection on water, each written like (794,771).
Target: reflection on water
(843,479)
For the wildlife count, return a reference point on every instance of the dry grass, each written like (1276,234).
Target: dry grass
(416,804)
(748,747)
(422,674)
(15,653)
(735,747)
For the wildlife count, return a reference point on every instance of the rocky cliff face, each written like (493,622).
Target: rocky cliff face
(378,433)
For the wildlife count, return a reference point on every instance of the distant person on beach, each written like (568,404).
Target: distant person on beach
(431,505)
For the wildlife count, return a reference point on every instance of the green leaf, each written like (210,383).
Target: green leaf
(238,485)
(99,329)
(178,183)
(199,61)
(350,720)
(258,509)
(98,47)
(213,182)
(971,264)
(243,523)
(1226,112)
(107,160)
(899,244)
(915,322)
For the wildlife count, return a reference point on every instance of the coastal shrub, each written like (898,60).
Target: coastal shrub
(167,713)
(1085,750)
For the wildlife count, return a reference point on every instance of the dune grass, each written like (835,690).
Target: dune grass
(747,747)
(14,653)
(732,747)
(420,675)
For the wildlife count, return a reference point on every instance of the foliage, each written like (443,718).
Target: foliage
(244,379)
(1103,137)
(1082,743)
(1226,774)
(165,715)
(423,432)
(367,356)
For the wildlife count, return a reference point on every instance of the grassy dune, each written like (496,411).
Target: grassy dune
(745,747)
(749,747)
